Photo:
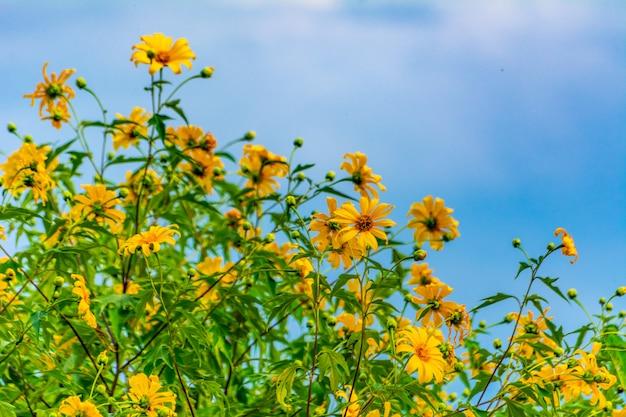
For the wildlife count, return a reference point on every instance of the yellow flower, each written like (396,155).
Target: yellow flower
(345,253)
(436,309)
(57,114)
(363,177)
(353,409)
(204,168)
(146,395)
(84,302)
(132,288)
(148,184)
(325,227)
(352,323)
(74,407)
(421,274)
(433,222)
(386,412)
(150,241)
(567,242)
(98,204)
(363,227)
(594,379)
(260,167)
(3,234)
(215,266)
(458,321)
(128,130)
(27,168)
(425,357)
(190,137)
(159,51)
(52,90)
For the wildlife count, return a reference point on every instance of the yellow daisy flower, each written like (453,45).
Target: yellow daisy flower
(146,396)
(159,51)
(433,222)
(74,407)
(150,241)
(52,90)
(362,175)
(98,204)
(364,227)
(28,168)
(260,167)
(84,302)
(426,358)
(128,130)
(567,242)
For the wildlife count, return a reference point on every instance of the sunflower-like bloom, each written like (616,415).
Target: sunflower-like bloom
(52,90)
(74,407)
(147,182)
(344,254)
(567,242)
(159,51)
(532,330)
(204,168)
(436,309)
(84,301)
(261,167)
(458,321)
(386,411)
(98,204)
(28,168)
(433,222)
(362,175)
(147,398)
(128,130)
(353,408)
(327,229)
(352,323)
(58,114)
(216,267)
(190,137)
(426,357)
(554,378)
(364,227)
(150,241)
(593,378)
(421,274)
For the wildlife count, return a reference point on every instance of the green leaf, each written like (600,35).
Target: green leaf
(174,105)
(334,366)
(284,382)
(549,282)
(493,300)
(7,410)
(522,267)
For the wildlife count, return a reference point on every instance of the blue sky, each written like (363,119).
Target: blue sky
(513,111)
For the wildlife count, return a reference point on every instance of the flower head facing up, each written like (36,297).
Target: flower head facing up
(150,241)
(363,227)
(58,114)
(189,137)
(436,309)
(433,222)
(425,356)
(128,130)
(160,51)
(84,300)
(568,248)
(29,168)
(362,175)
(421,274)
(52,90)
(74,407)
(147,397)
(98,204)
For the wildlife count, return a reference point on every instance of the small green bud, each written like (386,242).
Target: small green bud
(572,293)
(621,291)
(294,234)
(67,196)
(192,273)
(246,225)
(452,396)
(11,127)
(482,324)
(297,362)
(392,324)
(609,306)
(250,135)
(551,246)
(298,142)
(330,175)
(207,72)
(509,317)
(497,343)
(28,139)
(123,192)
(56,294)
(466,391)
(59,281)
(102,359)
(300,176)
(101,389)
(331,320)
(291,201)
(110,155)
(408,298)
(420,255)
(217,171)
(81,82)
(517,243)
(310,324)
(602,301)
(270,237)
(622,314)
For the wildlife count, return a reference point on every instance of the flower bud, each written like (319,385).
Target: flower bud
(330,175)
(56,294)
(622,314)
(572,293)
(298,142)
(246,225)
(551,246)
(81,82)
(602,301)
(466,392)
(621,291)
(250,135)
(517,243)
(408,298)
(122,193)
(609,306)
(497,343)
(291,201)
(270,237)
(101,389)
(110,155)
(452,396)
(102,359)
(192,273)
(509,317)
(482,324)
(11,127)
(420,255)
(310,324)
(392,324)
(217,171)
(58,281)
(300,176)
(207,72)
(28,139)
(294,234)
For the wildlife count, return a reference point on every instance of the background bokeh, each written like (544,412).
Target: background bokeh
(513,111)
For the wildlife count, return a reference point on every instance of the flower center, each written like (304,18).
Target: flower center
(531,328)
(53,91)
(422,353)
(162,57)
(364,223)
(357,178)
(333,226)
(430,223)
